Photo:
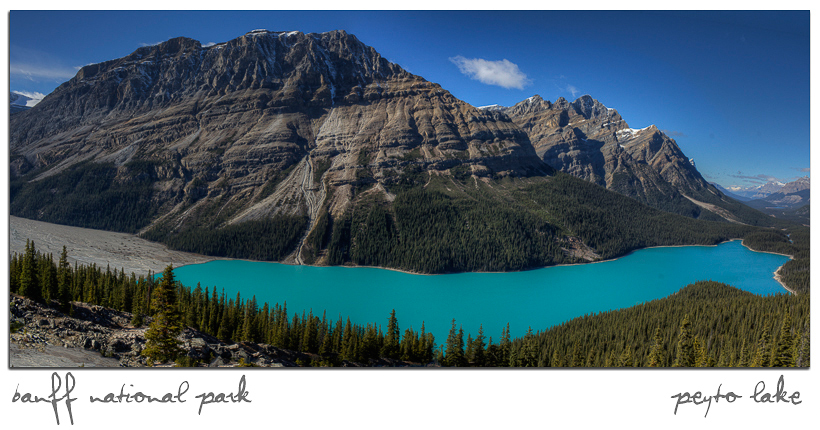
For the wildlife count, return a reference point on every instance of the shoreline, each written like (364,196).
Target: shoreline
(780,281)
(158,256)
(776,272)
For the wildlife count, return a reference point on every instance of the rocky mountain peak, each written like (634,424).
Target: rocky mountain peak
(591,141)
(274,122)
(529,105)
(799,184)
(588,107)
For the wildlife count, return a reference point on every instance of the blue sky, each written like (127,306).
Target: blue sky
(732,88)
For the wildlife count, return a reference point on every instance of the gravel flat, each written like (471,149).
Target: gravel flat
(55,356)
(87,246)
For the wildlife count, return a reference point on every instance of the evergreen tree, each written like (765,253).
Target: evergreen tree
(656,355)
(743,360)
(612,360)
(454,351)
(48,279)
(529,354)
(686,350)
(556,361)
(723,359)
(762,355)
(625,360)
(700,353)
(161,337)
(803,354)
(784,354)
(468,351)
(391,341)
(348,342)
(479,355)
(505,345)
(29,284)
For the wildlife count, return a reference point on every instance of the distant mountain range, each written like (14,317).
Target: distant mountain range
(788,201)
(769,188)
(20,102)
(314,148)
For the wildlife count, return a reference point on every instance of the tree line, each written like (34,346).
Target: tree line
(706,324)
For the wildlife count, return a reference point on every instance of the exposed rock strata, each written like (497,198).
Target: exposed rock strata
(218,126)
(588,140)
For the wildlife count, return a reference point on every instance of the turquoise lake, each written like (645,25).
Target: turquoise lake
(537,298)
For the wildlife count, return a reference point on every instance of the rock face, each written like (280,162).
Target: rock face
(268,123)
(588,140)
(800,184)
(45,337)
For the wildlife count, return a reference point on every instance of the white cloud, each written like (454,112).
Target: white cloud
(36,72)
(502,73)
(205,45)
(572,90)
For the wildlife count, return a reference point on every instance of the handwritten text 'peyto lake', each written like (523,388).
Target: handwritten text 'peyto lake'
(760,396)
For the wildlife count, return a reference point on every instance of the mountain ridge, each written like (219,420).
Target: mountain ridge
(590,141)
(288,146)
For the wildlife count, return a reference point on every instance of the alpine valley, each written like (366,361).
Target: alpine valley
(313,148)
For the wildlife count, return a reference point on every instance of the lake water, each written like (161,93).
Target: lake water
(538,298)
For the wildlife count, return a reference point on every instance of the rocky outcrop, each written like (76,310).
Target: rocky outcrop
(588,140)
(39,332)
(268,123)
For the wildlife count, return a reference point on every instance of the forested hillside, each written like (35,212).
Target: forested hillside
(453,225)
(706,324)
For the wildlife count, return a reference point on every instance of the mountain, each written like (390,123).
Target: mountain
(313,148)
(799,184)
(789,201)
(593,142)
(758,192)
(793,206)
(226,121)
(729,193)
(20,102)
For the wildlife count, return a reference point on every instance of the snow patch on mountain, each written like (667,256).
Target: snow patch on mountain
(25,98)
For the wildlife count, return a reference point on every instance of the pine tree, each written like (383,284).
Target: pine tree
(783,355)
(529,353)
(454,351)
(625,360)
(391,342)
(29,284)
(686,351)
(656,354)
(743,360)
(505,345)
(14,274)
(762,356)
(479,356)
(804,352)
(468,351)
(723,360)
(701,359)
(556,361)
(161,337)
(612,360)
(348,342)
(48,278)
